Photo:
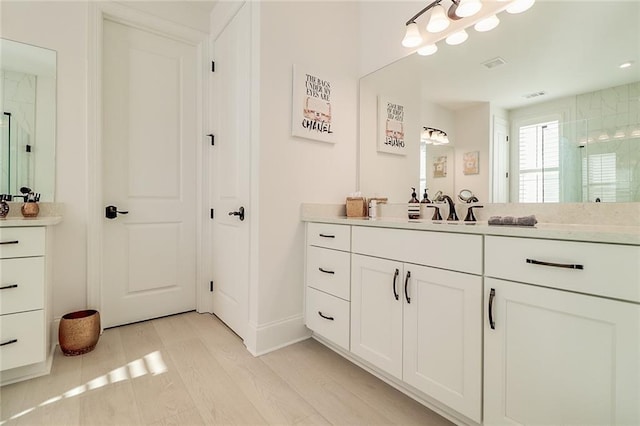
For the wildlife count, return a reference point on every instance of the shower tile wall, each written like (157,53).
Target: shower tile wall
(612,119)
(18,98)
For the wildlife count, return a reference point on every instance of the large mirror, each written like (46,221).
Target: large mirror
(540,109)
(28,122)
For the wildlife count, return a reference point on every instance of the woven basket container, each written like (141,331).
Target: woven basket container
(79,332)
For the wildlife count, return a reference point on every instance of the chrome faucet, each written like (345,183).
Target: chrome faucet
(440,197)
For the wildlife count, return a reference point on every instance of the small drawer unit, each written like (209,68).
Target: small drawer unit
(329,271)
(23,337)
(327,235)
(328,316)
(608,270)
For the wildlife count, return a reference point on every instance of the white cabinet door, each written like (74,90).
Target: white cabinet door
(443,336)
(554,357)
(376,312)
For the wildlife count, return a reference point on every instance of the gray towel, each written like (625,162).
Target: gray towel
(513,221)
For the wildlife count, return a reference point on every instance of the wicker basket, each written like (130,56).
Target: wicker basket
(356,207)
(79,332)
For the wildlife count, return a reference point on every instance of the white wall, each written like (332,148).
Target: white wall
(473,134)
(317,35)
(62,26)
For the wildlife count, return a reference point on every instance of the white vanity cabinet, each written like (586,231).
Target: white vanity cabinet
(421,324)
(327,279)
(23,334)
(562,332)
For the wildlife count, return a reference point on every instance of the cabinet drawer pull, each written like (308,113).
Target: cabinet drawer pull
(406,282)
(5,287)
(555,265)
(8,342)
(492,295)
(326,271)
(395,277)
(325,317)
(327,236)
(9,242)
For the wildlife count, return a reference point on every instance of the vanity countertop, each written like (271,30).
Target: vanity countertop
(629,235)
(11,222)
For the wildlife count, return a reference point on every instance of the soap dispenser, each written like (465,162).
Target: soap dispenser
(414,206)
(425,198)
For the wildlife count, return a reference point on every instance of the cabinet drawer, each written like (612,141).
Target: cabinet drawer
(27,329)
(21,284)
(21,242)
(329,271)
(328,235)
(328,316)
(457,252)
(602,269)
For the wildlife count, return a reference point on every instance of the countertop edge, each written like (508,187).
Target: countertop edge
(627,235)
(14,222)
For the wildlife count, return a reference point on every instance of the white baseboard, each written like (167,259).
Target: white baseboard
(269,337)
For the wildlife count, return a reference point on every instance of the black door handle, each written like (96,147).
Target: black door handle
(325,316)
(111,212)
(492,295)
(239,213)
(406,282)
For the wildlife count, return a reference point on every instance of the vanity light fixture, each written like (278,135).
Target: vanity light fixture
(433,136)
(459,9)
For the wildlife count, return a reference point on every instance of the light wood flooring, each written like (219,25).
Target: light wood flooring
(190,369)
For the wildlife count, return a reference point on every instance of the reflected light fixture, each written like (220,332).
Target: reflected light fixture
(457,38)
(520,6)
(433,136)
(487,24)
(412,37)
(438,21)
(427,50)
(466,8)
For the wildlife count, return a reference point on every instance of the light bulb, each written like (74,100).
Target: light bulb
(468,8)
(427,50)
(487,24)
(519,6)
(412,37)
(438,21)
(457,38)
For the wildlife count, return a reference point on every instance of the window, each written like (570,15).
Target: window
(599,177)
(539,171)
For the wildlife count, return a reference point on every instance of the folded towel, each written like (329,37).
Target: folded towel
(513,221)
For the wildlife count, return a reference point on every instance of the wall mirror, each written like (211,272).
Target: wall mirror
(540,109)
(28,122)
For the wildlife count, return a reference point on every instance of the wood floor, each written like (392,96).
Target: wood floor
(190,369)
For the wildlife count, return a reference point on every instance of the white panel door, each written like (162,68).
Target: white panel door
(230,162)
(443,337)
(559,358)
(149,159)
(376,312)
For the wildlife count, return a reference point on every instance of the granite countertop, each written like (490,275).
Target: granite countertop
(629,235)
(16,221)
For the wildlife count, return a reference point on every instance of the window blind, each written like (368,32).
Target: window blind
(539,150)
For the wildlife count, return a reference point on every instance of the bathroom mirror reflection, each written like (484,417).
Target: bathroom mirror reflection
(540,103)
(28,122)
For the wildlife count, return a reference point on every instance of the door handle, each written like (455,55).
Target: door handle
(492,295)
(406,283)
(395,277)
(239,213)
(111,212)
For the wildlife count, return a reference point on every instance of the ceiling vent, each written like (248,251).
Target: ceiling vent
(534,95)
(495,62)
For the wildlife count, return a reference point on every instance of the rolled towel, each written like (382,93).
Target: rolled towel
(513,221)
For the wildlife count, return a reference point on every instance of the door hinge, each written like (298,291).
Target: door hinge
(212,214)
(213,66)
(213,139)
(211,286)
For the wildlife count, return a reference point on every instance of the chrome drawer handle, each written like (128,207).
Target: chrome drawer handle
(325,317)
(327,235)
(5,287)
(555,265)
(326,271)
(9,242)
(8,342)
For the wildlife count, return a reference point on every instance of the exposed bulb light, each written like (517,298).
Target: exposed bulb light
(427,50)
(468,8)
(487,24)
(519,6)
(438,21)
(412,37)
(457,38)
